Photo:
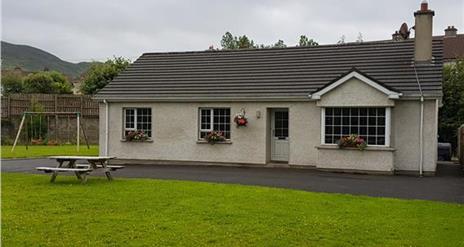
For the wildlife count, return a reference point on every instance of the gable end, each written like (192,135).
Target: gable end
(354,73)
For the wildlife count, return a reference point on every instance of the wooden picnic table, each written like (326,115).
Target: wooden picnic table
(68,164)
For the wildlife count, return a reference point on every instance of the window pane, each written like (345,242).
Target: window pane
(205,119)
(346,130)
(346,120)
(328,120)
(363,131)
(129,119)
(381,140)
(381,111)
(281,124)
(329,139)
(371,140)
(363,112)
(144,120)
(221,121)
(380,130)
(354,120)
(363,121)
(346,111)
(381,121)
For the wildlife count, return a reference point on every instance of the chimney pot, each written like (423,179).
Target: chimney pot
(451,31)
(424,6)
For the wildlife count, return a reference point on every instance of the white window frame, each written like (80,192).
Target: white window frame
(211,121)
(135,120)
(387,127)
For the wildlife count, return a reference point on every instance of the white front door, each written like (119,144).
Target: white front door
(279,135)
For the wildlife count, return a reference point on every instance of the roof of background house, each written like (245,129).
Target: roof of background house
(271,74)
(453,47)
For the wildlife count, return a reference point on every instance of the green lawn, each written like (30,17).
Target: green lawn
(144,212)
(41,151)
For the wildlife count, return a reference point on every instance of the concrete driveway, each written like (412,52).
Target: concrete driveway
(447,186)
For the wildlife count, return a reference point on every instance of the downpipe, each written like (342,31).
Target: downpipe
(421,137)
(106,126)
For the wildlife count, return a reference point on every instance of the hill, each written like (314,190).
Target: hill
(29,58)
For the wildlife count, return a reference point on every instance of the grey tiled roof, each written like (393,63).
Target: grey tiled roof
(272,74)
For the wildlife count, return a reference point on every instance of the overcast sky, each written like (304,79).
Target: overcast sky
(83,30)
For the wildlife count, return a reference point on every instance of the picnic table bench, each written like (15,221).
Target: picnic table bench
(68,164)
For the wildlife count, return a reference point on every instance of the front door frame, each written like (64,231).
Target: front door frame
(271,132)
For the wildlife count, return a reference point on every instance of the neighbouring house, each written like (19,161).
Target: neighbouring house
(453,45)
(298,102)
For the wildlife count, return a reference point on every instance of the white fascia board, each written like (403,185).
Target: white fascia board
(355,74)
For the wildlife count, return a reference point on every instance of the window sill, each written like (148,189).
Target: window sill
(368,148)
(205,142)
(149,140)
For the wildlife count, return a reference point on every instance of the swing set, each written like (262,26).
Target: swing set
(33,123)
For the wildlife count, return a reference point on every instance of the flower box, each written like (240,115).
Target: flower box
(352,141)
(136,136)
(214,137)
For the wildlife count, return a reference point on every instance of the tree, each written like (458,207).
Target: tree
(12,83)
(47,82)
(305,41)
(229,42)
(452,112)
(279,44)
(244,42)
(100,74)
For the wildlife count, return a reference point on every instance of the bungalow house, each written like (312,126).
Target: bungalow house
(298,101)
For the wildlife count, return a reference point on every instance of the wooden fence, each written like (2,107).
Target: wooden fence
(16,104)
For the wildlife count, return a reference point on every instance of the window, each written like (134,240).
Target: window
(372,124)
(137,119)
(215,119)
(281,124)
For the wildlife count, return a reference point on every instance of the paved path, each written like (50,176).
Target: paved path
(447,186)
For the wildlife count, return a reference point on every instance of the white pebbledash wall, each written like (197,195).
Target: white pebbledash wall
(175,133)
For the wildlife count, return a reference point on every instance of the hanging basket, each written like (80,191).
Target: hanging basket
(240,120)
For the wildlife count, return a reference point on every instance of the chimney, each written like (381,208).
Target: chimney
(451,31)
(423,33)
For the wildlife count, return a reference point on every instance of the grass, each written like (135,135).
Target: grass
(145,212)
(42,151)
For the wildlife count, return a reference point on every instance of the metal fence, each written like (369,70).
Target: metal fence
(16,104)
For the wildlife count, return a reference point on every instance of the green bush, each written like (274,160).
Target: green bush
(452,112)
